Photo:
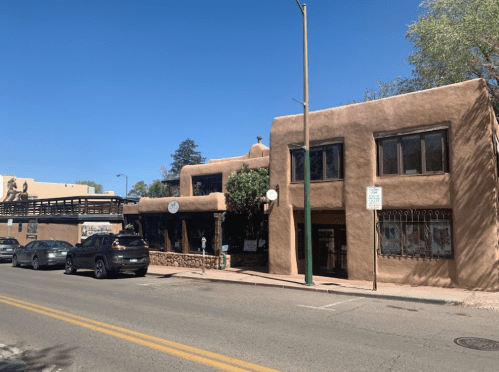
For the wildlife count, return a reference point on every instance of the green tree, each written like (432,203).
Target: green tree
(138,190)
(157,190)
(184,155)
(98,186)
(384,90)
(245,191)
(165,173)
(454,41)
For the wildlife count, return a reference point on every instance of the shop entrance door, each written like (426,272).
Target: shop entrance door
(329,250)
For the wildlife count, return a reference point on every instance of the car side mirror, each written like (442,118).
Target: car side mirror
(78,245)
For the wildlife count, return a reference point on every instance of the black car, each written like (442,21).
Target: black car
(7,247)
(39,253)
(109,253)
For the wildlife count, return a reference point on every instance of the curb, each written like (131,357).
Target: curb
(433,301)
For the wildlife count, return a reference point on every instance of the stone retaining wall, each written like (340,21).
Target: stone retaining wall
(186,260)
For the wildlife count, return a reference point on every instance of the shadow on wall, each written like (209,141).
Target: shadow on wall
(473,192)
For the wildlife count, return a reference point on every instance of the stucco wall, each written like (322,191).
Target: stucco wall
(70,231)
(45,189)
(469,189)
(226,168)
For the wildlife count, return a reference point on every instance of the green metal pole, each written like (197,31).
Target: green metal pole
(308,219)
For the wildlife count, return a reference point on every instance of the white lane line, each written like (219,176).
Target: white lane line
(315,307)
(146,283)
(325,307)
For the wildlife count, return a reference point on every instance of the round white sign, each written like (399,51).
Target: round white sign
(173,206)
(272,194)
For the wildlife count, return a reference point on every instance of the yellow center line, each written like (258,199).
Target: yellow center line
(156,343)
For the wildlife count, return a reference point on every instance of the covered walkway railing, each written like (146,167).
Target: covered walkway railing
(74,205)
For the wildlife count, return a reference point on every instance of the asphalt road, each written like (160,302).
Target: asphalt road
(53,322)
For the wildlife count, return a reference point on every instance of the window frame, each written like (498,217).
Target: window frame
(400,165)
(323,147)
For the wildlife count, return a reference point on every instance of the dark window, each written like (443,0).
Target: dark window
(8,241)
(389,149)
(326,162)
(132,241)
(415,233)
(413,154)
(89,242)
(205,185)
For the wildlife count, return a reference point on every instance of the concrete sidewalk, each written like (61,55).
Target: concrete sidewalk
(435,295)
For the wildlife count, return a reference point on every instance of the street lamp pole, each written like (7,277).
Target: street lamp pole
(126,177)
(308,219)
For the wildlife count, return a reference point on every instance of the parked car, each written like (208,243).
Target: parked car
(7,247)
(39,253)
(109,253)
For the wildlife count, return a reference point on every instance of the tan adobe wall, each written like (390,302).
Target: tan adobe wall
(225,167)
(212,202)
(70,232)
(258,150)
(469,189)
(45,189)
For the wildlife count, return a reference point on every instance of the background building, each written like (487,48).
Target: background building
(43,190)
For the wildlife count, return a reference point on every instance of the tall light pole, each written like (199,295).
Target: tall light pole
(126,195)
(306,179)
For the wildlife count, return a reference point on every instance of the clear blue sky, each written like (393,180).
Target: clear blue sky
(91,88)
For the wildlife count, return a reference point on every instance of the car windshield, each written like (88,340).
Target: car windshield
(131,241)
(8,241)
(58,244)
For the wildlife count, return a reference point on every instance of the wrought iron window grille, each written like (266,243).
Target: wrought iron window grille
(415,233)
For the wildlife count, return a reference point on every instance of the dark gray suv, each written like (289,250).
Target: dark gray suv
(109,253)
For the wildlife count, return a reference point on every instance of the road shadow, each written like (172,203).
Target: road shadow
(51,358)
(110,276)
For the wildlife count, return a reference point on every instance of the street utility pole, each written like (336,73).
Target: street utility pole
(308,219)
(126,177)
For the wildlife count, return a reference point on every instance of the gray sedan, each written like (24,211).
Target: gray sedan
(39,253)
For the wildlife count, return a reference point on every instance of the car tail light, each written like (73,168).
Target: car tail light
(146,246)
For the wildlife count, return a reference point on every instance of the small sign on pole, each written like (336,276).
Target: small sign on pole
(374,202)
(374,199)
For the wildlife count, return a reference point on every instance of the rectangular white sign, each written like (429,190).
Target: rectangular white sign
(9,222)
(374,198)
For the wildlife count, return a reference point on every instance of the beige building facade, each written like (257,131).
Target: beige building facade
(434,153)
(44,190)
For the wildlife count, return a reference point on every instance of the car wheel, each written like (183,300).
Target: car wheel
(100,269)
(70,268)
(141,272)
(35,263)
(14,261)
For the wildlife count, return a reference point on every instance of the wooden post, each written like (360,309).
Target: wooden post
(218,234)
(168,244)
(185,238)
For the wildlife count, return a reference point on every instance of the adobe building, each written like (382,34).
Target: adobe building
(435,155)
(42,190)
(177,224)
(32,210)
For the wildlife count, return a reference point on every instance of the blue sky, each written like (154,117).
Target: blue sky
(93,88)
